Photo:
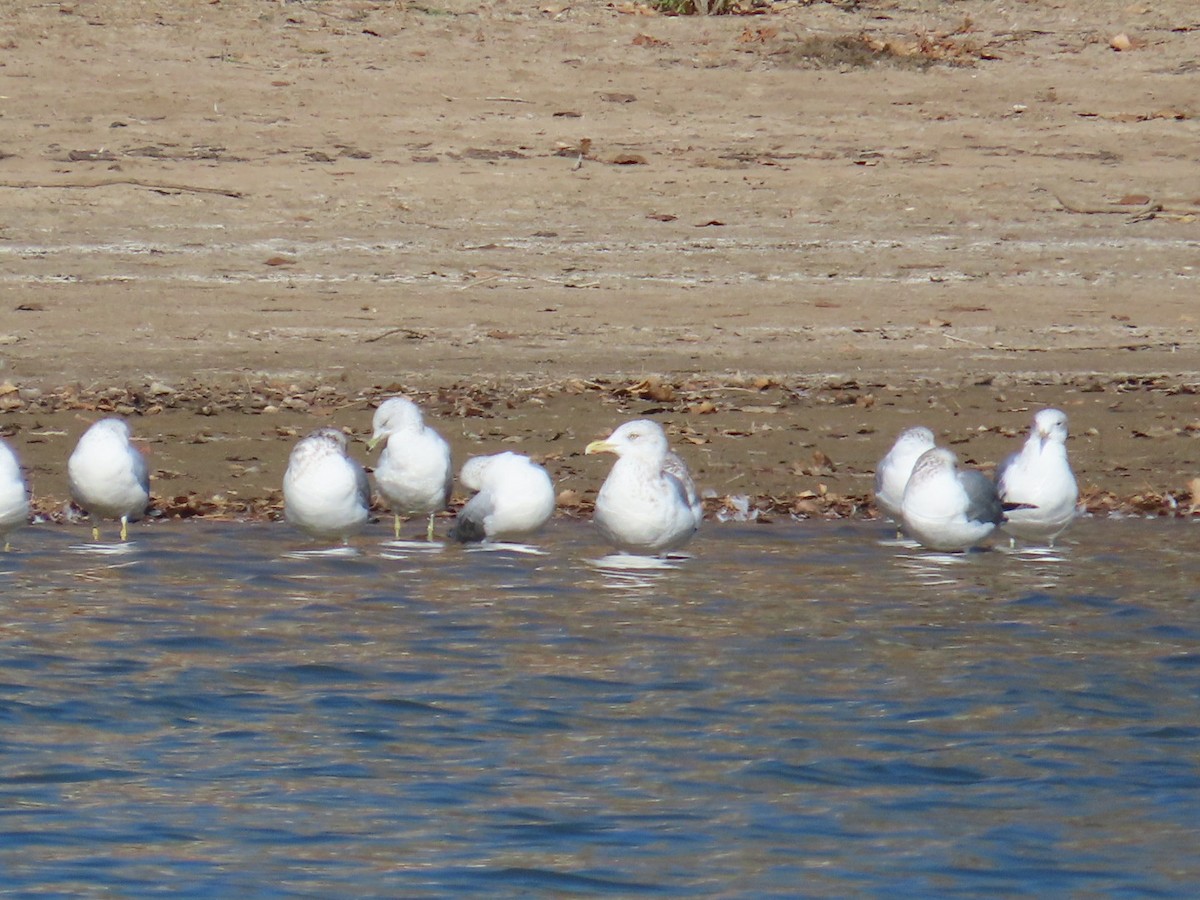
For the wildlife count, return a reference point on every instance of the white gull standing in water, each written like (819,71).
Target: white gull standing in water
(107,476)
(648,504)
(891,475)
(14,495)
(414,472)
(947,508)
(325,491)
(1038,482)
(515,498)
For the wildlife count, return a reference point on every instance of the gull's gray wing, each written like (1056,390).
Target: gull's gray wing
(468,526)
(362,485)
(983,505)
(678,470)
(140,470)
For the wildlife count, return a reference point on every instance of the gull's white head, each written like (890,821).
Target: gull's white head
(916,439)
(1050,425)
(112,429)
(322,442)
(395,415)
(472,471)
(933,462)
(640,439)
(478,469)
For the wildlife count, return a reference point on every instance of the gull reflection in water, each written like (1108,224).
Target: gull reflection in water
(1020,568)
(117,548)
(628,573)
(342,552)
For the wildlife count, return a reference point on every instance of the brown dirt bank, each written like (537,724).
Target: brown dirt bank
(798,447)
(236,220)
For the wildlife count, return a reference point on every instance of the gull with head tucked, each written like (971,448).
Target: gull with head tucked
(14,495)
(948,508)
(325,491)
(648,504)
(107,476)
(414,473)
(1039,483)
(891,475)
(515,498)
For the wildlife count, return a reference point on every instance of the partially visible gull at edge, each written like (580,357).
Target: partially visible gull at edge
(14,495)
(107,476)
(891,475)
(649,503)
(514,499)
(414,473)
(1037,485)
(948,508)
(325,491)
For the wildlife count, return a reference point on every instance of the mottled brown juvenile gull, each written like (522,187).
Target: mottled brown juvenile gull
(414,472)
(1037,482)
(14,495)
(515,498)
(325,491)
(648,504)
(107,476)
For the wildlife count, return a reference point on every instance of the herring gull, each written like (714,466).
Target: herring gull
(14,495)
(948,508)
(414,474)
(325,491)
(891,475)
(648,504)
(515,497)
(1038,482)
(107,476)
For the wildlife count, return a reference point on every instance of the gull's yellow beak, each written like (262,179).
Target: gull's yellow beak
(598,447)
(373,442)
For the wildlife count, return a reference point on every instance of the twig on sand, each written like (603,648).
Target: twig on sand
(135,182)
(410,333)
(963,340)
(1137,211)
(481,280)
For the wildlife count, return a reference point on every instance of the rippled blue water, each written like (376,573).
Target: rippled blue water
(801,710)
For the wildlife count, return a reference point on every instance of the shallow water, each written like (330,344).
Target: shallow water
(799,710)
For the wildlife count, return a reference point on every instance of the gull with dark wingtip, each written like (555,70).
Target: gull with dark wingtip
(514,499)
(1038,482)
(948,508)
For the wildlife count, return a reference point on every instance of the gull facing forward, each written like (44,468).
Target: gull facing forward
(648,504)
(414,472)
(1038,481)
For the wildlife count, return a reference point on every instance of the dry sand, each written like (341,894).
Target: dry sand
(786,236)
